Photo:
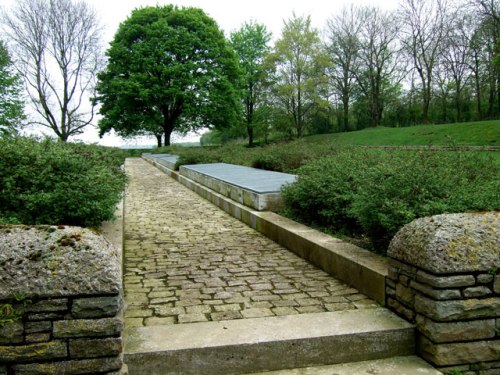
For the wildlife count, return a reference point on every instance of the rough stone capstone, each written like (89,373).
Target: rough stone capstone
(451,243)
(42,261)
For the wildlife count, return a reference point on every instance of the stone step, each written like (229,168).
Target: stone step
(266,344)
(410,365)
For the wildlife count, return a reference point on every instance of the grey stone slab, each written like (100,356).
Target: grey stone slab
(166,160)
(253,179)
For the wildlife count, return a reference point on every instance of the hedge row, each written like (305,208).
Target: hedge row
(374,193)
(50,182)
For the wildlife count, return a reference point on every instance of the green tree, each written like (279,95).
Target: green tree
(251,46)
(300,63)
(169,68)
(11,105)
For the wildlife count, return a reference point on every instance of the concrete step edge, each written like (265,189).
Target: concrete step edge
(264,344)
(408,365)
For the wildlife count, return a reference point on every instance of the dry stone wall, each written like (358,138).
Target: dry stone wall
(60,302)
(444,275)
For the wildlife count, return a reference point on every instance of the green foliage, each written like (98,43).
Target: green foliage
(251,46)
(12,312)
(299,61)
(281,159)
(169,69)
(8,314)
(11,105)
(324,193)
(48,182)
(496,59)
(377,192)
(197,156)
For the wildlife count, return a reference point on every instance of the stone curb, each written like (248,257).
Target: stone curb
(250,345)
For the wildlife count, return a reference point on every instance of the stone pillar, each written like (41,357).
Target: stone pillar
(60,302)
(444,276)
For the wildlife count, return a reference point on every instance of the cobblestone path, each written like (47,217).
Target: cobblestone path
(185,260)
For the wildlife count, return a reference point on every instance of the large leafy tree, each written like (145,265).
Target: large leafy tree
(251,46)
(300,64)
(169,69)
(11,104)
(57,45)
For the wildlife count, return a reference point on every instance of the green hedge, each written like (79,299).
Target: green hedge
(50,182)
(375,193)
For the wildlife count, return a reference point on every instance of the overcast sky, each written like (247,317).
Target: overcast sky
(229,14)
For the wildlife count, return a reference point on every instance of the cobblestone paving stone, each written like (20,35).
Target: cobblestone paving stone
(188,261)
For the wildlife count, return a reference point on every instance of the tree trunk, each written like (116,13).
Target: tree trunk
(498,94)
(458,101)
(167,133)
(478,97)
(250,111)
(250,135)
(426,105)
(158,140)
(345,120)
(168,128)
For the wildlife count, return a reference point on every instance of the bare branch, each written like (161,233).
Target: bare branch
(59,52)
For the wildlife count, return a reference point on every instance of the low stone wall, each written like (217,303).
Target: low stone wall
(444,275)
(60,302)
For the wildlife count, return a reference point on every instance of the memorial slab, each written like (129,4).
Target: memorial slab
(255,188)
(166,160)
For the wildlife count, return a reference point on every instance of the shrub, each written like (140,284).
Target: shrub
(48,182)
(406,186)
(282,159)
(196,155)
(324,193)
(377,192)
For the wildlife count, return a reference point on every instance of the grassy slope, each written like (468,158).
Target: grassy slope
(484,133)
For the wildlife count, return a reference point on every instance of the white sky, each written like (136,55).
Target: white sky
(230,15)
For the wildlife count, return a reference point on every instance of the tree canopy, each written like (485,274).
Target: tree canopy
(300,64)
(169,68)
(11,104)
(250,43)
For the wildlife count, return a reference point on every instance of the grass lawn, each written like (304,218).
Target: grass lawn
(484,133)
(287,156)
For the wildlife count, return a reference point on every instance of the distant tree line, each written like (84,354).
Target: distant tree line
(171,69)
(429,61)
